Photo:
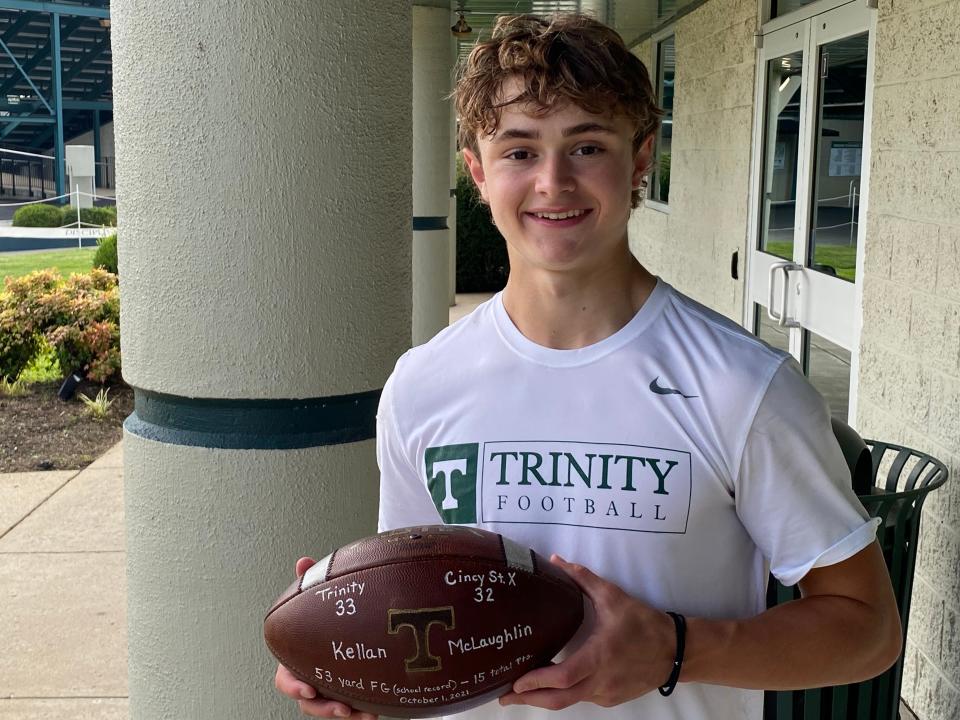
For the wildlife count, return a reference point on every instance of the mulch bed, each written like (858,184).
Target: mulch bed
(39,431)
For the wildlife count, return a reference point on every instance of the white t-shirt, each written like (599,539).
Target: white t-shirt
(679,458)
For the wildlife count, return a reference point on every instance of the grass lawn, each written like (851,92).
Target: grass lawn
(842,258)
(64,261)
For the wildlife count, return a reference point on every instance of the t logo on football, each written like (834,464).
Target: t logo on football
(420,621)
(452,481)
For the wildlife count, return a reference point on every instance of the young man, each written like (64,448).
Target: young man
(592,411)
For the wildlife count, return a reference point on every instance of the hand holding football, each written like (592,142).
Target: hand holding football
(423,621)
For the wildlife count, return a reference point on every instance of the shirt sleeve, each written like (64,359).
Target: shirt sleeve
(793,492)
(404,499)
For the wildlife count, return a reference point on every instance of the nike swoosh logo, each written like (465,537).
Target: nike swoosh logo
(667,391)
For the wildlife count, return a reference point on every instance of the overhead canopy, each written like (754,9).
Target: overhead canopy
(633,19)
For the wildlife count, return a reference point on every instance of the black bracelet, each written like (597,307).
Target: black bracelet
(681,624)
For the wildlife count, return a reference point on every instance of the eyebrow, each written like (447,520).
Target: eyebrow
(518,133)
(587,127)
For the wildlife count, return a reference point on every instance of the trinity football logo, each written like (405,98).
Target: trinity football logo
(452,481)
(561,482)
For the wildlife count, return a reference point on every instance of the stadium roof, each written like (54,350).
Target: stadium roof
(28,50)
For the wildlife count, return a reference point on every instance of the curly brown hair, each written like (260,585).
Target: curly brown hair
(563,58)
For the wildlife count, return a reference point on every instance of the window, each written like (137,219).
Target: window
(784,7)
(666,64)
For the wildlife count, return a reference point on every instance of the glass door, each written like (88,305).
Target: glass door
(801,293)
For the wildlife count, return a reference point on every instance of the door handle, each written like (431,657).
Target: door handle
(781,319)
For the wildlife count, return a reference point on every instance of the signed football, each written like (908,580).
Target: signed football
(423,621)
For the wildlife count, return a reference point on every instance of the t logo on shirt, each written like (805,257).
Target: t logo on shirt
(452,481)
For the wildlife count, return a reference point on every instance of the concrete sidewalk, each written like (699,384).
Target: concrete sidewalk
(63,593)
(466,304)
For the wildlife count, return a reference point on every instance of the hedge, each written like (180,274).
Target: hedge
(39,215)
(97,215)
(44,215)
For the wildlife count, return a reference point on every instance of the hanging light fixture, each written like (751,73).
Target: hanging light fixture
(460,28)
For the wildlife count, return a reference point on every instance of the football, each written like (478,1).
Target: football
(423,621)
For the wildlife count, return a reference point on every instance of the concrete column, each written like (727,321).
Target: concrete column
(432,65)
(266,296)
(452,249)
(97,150)
(452,217)
(56,95)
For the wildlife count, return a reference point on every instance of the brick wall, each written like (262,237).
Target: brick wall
(710,162)
(910,344)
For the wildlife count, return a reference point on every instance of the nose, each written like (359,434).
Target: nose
(555,175)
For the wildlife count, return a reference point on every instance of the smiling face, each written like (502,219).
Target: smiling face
(559,185)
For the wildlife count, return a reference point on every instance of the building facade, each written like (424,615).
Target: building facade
(740,182)
(806,186)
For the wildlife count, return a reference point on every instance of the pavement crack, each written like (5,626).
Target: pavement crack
(40,504)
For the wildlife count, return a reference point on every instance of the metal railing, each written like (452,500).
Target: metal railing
(24,174)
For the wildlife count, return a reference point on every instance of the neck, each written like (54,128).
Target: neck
(562,312)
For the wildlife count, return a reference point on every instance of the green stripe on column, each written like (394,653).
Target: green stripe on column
(429,223)
(254,424)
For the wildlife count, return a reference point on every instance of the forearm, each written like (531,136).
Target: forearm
(813,642)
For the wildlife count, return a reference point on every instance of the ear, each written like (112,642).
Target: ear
(643,162)
(476,172)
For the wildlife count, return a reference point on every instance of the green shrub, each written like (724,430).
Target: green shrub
(482,263)
(97,215)
(17,347)
(25,296)
(86,333)
(93,347)
(106,255)
(79,317)
(44,367)
(21,312)
(39,215)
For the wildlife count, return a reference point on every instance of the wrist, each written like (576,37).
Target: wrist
(707,650)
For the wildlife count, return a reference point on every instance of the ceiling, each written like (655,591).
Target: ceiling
(633,19)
